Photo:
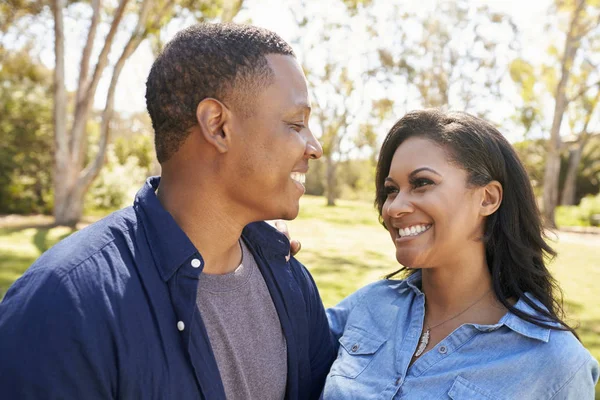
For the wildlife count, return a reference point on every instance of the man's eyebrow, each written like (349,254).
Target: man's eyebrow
(300,108)
(416,171)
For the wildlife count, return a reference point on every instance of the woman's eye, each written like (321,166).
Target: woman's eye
(390,190)
(420,182)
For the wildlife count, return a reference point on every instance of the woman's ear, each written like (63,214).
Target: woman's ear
(211,115)
(492,198)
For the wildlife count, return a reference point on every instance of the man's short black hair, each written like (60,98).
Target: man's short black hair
(223,61)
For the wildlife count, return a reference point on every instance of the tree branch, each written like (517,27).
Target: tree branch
(60,93)
(82,108)
(87,51)
(582,91)
(137,36)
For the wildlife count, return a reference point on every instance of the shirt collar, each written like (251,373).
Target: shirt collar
(170,246)
(510,320)
(527,328)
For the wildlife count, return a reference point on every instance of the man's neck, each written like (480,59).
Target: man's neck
(205,219)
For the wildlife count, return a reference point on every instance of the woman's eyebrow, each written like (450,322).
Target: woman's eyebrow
(416,171)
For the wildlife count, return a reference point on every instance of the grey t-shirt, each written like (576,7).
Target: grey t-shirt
(244,331)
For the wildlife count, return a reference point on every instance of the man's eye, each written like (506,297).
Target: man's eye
(297,127)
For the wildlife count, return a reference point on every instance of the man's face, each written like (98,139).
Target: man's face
(274,145)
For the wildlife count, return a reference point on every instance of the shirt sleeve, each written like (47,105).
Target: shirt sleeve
(582,384)
(50,346)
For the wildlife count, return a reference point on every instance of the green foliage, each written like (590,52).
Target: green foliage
(570,216)
(137,146)
(26,148)
(357,179)
(315,178)
(585,214)
(118,181)
(532,153)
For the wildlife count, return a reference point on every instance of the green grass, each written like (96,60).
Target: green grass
(346,248)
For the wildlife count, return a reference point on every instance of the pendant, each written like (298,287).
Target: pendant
(423,343)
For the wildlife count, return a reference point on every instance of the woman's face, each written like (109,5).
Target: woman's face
(432,215)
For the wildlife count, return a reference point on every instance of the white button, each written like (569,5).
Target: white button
(443,349)
(180,325)
(196,263)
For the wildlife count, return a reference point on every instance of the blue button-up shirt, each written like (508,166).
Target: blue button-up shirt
(379,327)
(110,312)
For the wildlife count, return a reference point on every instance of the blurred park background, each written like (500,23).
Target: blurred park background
(76,142)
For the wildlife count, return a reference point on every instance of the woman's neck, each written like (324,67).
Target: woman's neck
(449,291)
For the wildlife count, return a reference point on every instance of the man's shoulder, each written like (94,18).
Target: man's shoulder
(87,247)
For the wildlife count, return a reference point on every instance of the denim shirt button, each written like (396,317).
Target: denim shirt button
(399,381)
(443,349)
(354,348)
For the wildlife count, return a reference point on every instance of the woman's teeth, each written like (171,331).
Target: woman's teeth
(298,177)
(413,230)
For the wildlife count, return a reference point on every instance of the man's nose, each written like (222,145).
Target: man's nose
(313,149)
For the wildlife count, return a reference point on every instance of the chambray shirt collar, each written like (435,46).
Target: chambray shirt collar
(170,246)
(510,320)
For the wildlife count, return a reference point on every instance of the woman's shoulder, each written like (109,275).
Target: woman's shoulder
(384,289)
(557,345)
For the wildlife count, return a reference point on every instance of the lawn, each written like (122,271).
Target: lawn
(345,248)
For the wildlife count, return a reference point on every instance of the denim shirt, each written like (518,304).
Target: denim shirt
(110,312)
(378,329)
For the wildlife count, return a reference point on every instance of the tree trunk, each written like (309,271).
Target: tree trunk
(69,210)
(552,170)
(62,161)
(570,189)
(331,181)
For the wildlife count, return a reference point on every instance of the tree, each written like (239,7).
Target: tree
(26,148)
(583,111)
(584,19)
(344,111)
(72,175)
(452,56)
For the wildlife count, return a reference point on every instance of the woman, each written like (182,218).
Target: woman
(477,314)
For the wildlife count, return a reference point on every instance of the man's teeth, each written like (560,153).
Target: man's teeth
(413,230)
(298,177)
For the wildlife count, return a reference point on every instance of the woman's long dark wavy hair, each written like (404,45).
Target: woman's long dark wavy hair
(514,239)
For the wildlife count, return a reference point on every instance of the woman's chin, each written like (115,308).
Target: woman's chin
(408,261)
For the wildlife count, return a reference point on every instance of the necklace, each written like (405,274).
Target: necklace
(424,340)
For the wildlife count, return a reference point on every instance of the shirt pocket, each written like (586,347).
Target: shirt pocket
(463,389)
(357,350)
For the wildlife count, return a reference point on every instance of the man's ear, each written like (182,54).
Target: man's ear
(211,115)
(492,198)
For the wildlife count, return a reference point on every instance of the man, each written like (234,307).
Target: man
(175,297)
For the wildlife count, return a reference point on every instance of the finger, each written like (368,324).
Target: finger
(295,247)
(282,227)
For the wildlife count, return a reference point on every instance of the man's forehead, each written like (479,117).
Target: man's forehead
(301,107)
